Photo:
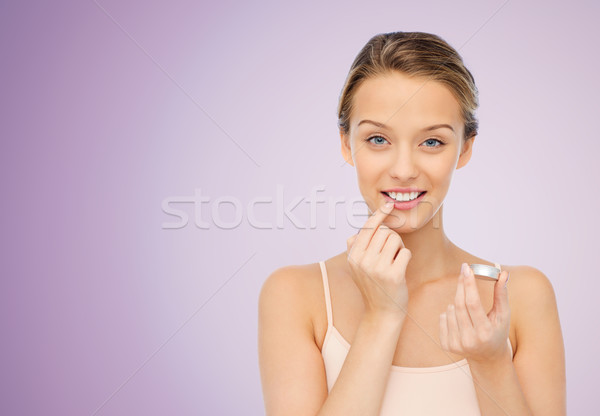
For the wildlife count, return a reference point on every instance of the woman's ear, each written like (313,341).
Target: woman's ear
(465,152)
(346,148)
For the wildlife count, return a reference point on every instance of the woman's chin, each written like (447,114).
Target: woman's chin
(403,224)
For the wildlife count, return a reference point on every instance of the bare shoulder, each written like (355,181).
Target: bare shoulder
(284,279)
(531,296)
(292,291)
(292,283)
(528,277)
(530,290)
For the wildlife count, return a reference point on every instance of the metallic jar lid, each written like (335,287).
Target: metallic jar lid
(484,270)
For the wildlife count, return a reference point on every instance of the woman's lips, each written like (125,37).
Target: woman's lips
(404,205)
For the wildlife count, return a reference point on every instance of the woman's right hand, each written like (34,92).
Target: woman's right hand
(378,259)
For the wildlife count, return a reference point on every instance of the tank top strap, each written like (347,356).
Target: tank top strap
(327,294)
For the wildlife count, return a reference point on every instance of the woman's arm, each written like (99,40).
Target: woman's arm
(540,356)
(292,370)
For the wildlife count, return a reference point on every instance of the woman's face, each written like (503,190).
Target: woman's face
(406,146)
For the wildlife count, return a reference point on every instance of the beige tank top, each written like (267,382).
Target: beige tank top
(446,390)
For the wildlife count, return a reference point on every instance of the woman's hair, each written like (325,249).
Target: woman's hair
(414,54)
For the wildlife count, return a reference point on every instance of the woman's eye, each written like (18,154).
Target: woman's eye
(381,141)
(432,141)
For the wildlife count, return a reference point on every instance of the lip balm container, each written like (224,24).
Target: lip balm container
(485,272)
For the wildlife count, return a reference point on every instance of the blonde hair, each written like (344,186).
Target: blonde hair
(416,54)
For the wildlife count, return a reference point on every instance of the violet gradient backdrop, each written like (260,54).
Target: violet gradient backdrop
(110,107)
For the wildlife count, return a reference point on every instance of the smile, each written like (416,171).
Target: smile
(404,200)
(404,196)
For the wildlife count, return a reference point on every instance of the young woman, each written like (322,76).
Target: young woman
(415,332)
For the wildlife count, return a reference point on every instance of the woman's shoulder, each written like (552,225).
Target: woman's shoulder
(293,286)
(530,292)
(523,279)
(527,280)
(292,277)
(534,313)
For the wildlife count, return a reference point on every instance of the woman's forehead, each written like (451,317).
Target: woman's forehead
(397,98)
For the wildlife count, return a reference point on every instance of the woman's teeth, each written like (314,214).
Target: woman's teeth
(409,196)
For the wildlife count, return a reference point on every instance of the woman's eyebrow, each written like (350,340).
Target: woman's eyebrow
(375,123)
(439,126)
(382,125)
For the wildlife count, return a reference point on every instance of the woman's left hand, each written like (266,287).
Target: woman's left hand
(467,330)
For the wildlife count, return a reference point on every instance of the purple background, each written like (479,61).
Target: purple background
(110,108)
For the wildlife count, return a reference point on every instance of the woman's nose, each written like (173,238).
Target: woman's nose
(403,166)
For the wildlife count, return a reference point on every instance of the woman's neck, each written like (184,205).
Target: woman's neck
(434,256)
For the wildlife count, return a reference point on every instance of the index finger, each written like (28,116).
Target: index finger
(366,232)
(478,315)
